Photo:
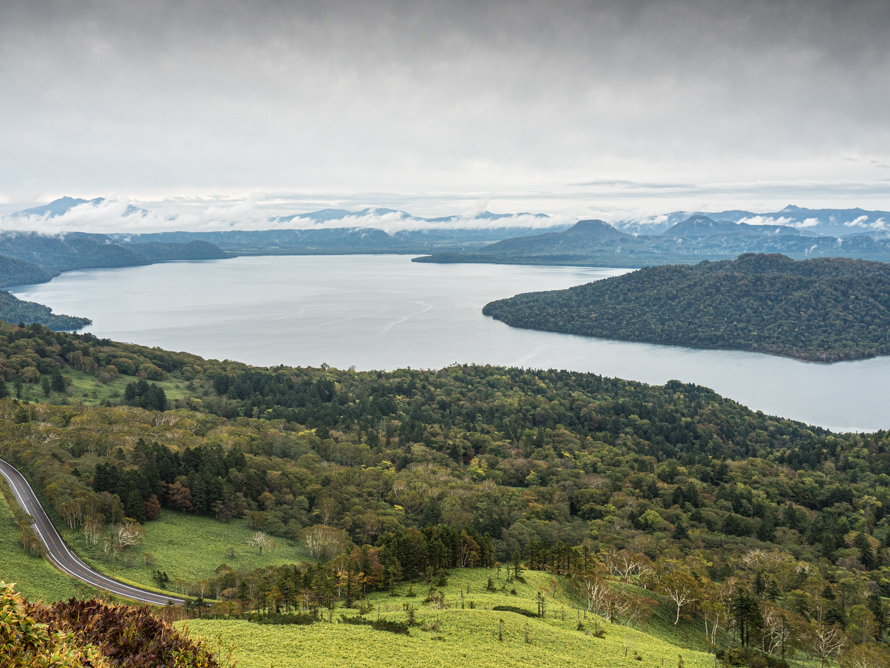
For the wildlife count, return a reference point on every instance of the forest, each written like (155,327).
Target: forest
(763,528)
(821,310)
(13,309)
(28,257)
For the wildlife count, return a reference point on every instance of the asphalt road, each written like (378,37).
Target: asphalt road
(61,555)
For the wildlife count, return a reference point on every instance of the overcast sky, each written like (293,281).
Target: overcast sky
(441,107)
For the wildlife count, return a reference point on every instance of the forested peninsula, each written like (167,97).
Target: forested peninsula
(823,310)
(13,309)
(28,257)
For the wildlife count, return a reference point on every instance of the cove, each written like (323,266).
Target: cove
(385,312)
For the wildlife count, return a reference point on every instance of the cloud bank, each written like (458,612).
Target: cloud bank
(429,101)
(119,216)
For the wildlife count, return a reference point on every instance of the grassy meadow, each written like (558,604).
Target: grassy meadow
(35,577)
(465,632)
(90,391)
(186,547)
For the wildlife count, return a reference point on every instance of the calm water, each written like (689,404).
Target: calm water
(384,312)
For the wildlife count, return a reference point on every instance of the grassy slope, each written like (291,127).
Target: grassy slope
(88,390)
(464,635)
(186,547)
(35,578)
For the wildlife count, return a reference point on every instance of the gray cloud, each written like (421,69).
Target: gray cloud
(430,100)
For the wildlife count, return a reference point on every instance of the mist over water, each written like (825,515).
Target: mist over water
(385,312)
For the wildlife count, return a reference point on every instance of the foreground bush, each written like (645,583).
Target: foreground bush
(91,633)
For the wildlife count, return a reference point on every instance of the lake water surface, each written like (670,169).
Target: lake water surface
(385,312)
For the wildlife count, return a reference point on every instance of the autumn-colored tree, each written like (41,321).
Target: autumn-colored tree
(152,508)
(868,655)
(27,643)
(179,496)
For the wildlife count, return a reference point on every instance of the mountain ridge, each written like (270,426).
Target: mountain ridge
(696,238)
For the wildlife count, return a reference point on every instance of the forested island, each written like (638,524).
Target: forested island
(824,310)
(634,502)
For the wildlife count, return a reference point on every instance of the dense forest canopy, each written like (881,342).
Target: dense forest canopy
(13,309)
(384,476)
(824,310)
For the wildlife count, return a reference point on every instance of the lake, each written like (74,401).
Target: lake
(385,312)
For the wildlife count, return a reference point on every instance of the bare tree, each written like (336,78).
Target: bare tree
(93,526)
(129,534)
(261,541)
(779,629)
(597,590)
(826,641)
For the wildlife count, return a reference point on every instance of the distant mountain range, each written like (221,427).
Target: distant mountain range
(329,215)
(829,222)
(369,217)
(527,238)
(698,237)
(330,231)
(826,222)
(63,205)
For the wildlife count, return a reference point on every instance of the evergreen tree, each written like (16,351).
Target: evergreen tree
(748,617)
(58,382)
(135,506)
(866,552)
(767,529)
(876,607)
(680,532)
(772,590)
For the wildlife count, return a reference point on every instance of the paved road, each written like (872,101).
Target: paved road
(61,555)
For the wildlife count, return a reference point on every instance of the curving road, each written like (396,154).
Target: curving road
(61,556)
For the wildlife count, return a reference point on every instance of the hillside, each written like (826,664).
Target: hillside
(18,272)
(462,621)
(822,310)
(697,238)
(13,309)
(661,509)
(27,257)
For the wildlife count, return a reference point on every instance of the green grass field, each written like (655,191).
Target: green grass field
(456,635)
(35,577)
(186,547)
(90,391)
